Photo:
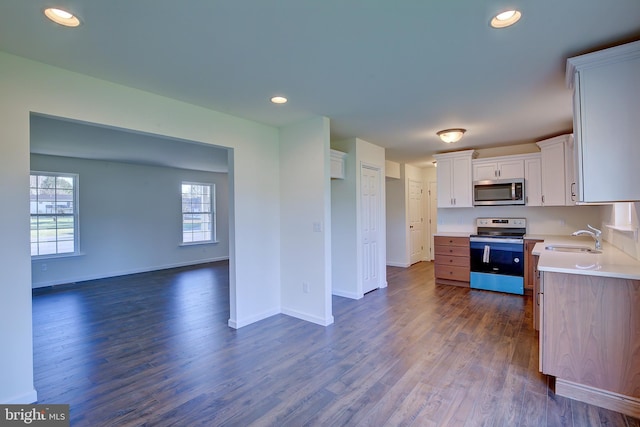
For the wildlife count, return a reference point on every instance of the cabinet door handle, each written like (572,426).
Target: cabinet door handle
(542,199)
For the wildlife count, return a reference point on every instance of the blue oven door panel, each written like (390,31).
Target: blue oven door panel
(497,282)
(498,258)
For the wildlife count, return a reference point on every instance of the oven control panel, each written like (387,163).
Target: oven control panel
(501,222)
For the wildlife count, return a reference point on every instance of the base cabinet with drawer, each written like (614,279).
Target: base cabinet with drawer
(452,260)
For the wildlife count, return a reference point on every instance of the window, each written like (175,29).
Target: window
(54,213)
(198,213)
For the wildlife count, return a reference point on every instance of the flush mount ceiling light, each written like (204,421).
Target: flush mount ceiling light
(279,100)
(62,17)
(451,135)
(506,18)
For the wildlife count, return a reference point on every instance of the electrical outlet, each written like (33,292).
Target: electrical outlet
(305,287)
(43,267)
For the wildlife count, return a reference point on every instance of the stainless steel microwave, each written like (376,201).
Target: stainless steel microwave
(498,192)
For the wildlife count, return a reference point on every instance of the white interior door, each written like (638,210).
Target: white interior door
(370,220)
(416,231)
(433,215)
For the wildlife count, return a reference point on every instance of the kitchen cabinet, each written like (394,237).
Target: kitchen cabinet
(537,293)
(556,170)
(337,164)
(589,338)
(529,265)
(452,263)
(533,180)
(454,177)
(606,103)
(502,168)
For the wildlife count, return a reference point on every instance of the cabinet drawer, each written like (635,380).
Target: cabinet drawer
(451,272)
(450,241)
(460,251)
(459,261)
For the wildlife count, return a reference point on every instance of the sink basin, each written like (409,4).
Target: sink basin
(574,249)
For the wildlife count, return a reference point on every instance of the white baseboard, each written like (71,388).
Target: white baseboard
(308,317)
(351,295)
(398,264)
(29,397)
(123,272)
(594,396)
(237,324)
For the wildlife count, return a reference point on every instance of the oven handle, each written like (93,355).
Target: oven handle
(494,240)
(513,191)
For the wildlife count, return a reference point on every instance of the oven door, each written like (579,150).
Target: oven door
(497,264)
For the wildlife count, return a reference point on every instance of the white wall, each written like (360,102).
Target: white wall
(130,220)
(398,238)
(344,226)
(396,208)
(429,176)
(347,265)
(306,221)
(28,86)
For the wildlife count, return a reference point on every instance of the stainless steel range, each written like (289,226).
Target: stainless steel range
(497,255)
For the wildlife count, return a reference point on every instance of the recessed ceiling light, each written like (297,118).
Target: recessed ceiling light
(279,100)
(506,18)
(62,17)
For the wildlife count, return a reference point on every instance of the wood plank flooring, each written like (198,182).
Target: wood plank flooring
(154,349)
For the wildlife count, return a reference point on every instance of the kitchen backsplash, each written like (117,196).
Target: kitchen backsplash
(559,220)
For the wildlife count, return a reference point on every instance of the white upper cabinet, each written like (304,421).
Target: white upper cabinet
(606,111)
(503,168)
(455,179)
(554,152)
(337,164)
(533,180)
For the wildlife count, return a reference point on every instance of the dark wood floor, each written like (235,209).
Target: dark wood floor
(154,349)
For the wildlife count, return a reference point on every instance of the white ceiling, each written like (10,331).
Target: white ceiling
(390,72)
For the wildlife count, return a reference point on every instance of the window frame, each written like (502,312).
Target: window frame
(212,213)
(75,215)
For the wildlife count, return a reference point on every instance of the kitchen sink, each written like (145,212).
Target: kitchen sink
(574,249)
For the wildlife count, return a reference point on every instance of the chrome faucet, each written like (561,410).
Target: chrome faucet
(595,233)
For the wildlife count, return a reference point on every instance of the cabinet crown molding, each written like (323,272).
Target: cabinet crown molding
(598,58)
(465,153)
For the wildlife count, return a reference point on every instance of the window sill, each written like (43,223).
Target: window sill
(209,242)
(56,256)
(624,229)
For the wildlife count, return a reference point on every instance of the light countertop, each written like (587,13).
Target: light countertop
(612,262)
(453,234)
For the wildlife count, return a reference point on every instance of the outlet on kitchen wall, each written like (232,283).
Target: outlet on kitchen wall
(305,287)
